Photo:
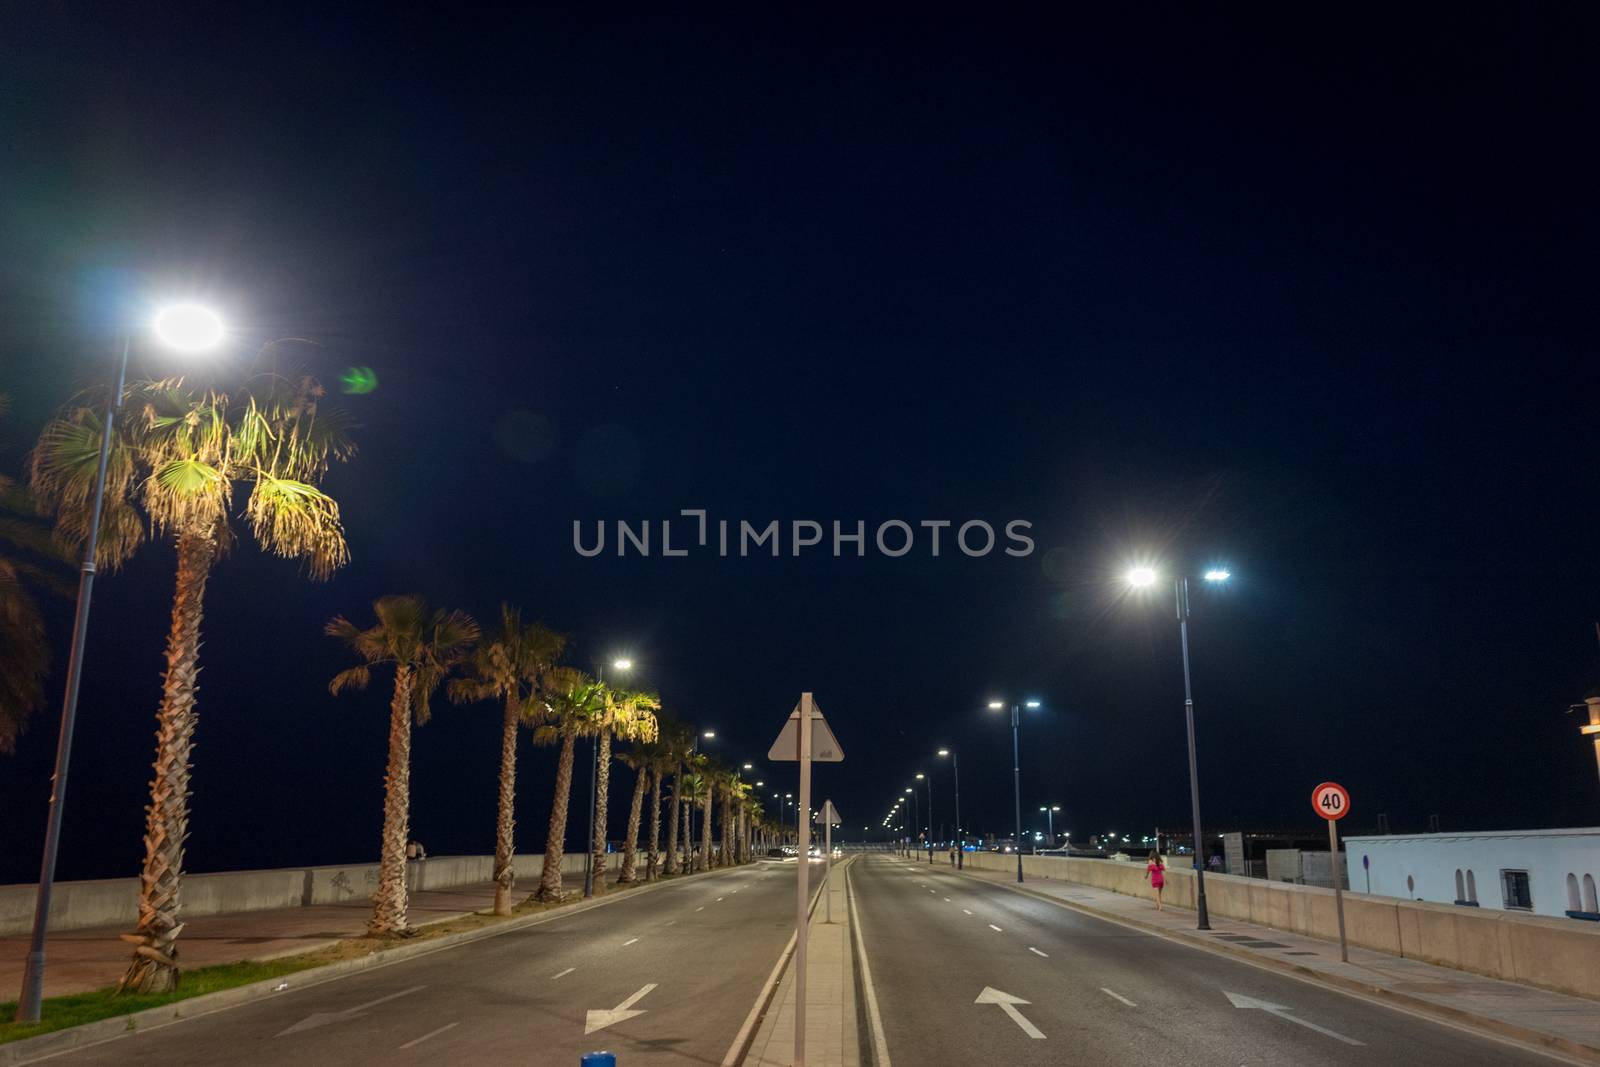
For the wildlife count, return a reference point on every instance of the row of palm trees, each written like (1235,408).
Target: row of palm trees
(181,453)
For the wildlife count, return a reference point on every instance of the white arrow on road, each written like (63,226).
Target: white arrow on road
(323,1018)
(599,1020)
(1008,1004)
(1282,1011)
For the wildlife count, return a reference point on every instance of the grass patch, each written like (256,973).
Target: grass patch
(76,1009)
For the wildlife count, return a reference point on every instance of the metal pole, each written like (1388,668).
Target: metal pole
(802,875)
(31,1000)
(960,840)
(1338,887)
(1181,590)
(827,859)
(1016,780)
(930,819)
(916,822)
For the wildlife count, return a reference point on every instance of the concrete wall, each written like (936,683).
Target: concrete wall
(115,901)
(1558,954)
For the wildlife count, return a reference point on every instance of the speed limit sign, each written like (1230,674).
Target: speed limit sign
(1330,800)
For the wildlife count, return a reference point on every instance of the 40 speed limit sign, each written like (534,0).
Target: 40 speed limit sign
(1330,800)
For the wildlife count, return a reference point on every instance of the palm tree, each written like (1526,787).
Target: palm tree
(694,789)
(26,552)
(677,741)
(642,759)
(179,457)
(510,668)
(572,703)
(674,737)
(727,783)
(423,647)
(630,717)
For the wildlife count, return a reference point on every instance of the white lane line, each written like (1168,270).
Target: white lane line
(669,922)
(1046,955)
(625,944)
(562,974)
(719,900)
(1118,996)
(947,900)
(701,908)
(996,929)
(880,1046)
(965,910)
(424,1037)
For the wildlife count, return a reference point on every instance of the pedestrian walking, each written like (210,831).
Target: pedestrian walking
(1156,873)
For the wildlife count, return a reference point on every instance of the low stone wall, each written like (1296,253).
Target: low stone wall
(115,901)
(1558,954)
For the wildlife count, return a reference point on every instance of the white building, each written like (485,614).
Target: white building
(1546,872)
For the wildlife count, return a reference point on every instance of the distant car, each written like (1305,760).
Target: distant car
(775,853)
(837,851)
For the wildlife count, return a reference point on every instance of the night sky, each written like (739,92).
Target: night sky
(1310,294)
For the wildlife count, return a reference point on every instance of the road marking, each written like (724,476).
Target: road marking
(562,974)
(323,1018)
(1036,952)
(719,900)
(996,929)
(599,1020)
(625,944)
(1282,1011)
(701,908)
(947,900)
(965,910)
(1008,1004)
(424,1037)
(880,1045)
(669,922)
(1118,996)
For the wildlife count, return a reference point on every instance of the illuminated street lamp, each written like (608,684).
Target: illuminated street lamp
(1050,816)
(929,780)
(624,664)
(1016,767)
(955,768)
(1141,578)
(184,328)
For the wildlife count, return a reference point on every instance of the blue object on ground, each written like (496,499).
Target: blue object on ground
(598,1059)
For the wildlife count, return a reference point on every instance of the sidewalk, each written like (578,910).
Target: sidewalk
(831,1032)
(1570,1024)
(77,961)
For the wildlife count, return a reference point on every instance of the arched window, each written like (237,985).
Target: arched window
(1461,886)
(1472,887)
(1411,886)
(1590,904)
(1574,902)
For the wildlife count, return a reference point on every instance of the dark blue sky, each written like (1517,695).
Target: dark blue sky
(1309,293)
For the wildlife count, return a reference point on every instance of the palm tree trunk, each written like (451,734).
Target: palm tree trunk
(705,835)
(652,858)
(630,843)
(674,861)
(555,840)
(155,955)
(389,902)
(726,859)
(602,787)
(505,876)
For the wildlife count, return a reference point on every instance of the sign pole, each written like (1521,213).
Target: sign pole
(827,853)
(1338,890)
(802,873)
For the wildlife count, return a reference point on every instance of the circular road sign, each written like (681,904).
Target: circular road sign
(1331,800)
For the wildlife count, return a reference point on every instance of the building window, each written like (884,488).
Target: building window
(1411,885)
(1590,903)
(1472,887)
(1461,887)
(1574,901)
(1516,890)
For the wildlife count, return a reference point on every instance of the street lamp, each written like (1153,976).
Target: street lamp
(916,818)
(1143,577)
(1050,816)
(622,663)
(184,328)
(955,767)
(1016,768)
(929,780)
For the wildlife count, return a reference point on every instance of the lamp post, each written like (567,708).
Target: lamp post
(955,767)
(623,664)
(929,780)
(1143,577)
(183,328)
(1016,768)
(916,820)
(1050,816)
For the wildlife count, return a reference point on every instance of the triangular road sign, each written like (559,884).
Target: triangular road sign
(824,746)
(829,814)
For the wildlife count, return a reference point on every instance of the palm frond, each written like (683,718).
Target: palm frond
(351,678)
(296,520)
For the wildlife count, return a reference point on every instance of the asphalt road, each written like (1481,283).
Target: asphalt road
(1103,994)
(704,945)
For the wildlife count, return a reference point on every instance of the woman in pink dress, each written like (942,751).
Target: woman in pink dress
(1156,872)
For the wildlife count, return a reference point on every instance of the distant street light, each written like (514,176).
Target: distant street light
(955,768)
(1016,768)
(1142,577)
(621,664)
(1050,816)
(186,328)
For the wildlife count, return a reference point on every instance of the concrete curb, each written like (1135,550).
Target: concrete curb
(44,1046)
(1456,1016)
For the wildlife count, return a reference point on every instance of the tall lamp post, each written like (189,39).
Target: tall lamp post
(928,779)
(916,820)
(1050,816)
(1141,578)
(594,775)
(183,328)
(955,767)
(1016,768)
